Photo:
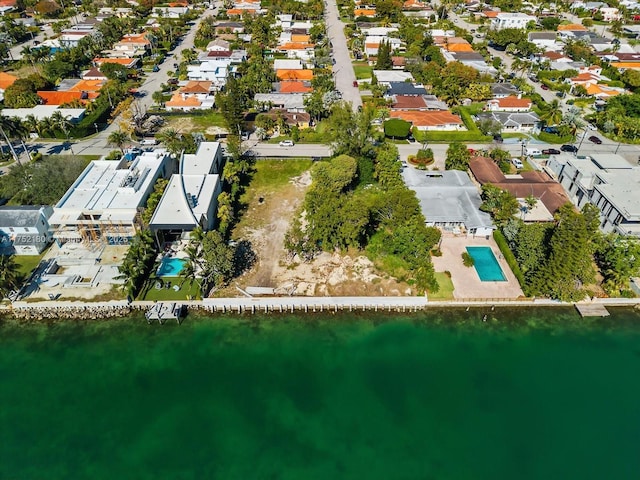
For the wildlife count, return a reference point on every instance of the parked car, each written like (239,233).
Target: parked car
(355,83)
(286,143)
(595,140)
(551,151)
(591,126)
(155,68)
(569,148)
(148,141)
(172,81)
(517,163)
(498,138)
(544,87)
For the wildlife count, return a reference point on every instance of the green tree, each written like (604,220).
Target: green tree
(552,113)
(384,61)
(349,132)
(501,204)
(397,128)
(154,199)
(118,139)
(9,274)
(570,263)
(618,258)
(458,157)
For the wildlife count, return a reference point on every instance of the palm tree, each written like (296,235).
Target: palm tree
(158,97)
(9,128)
(171,139)
(63,124)
(118,138)
(8,274)
(552,113)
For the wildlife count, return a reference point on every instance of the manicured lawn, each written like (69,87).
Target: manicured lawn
(189,289)
(362,71)
(213,119)
(275,174)
(446,288)
(27,264)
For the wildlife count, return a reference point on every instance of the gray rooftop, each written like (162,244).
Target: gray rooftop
(21,216)
(447,196)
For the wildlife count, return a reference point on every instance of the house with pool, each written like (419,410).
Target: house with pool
(449,200)
(191,197)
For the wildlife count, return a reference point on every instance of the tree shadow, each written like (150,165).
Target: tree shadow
(244,257)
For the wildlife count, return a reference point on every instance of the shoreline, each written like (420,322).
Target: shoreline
(279,305)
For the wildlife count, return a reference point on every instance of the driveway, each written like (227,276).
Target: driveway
(343,73)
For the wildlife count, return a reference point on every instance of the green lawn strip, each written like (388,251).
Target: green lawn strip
(188,289)
(274,174)
(445,292)
(27,264)
(362,71)
(553,138)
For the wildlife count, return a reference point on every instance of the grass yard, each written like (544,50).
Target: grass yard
(362,71)
(213,119)
(446,288)
(27,264)
(189,289)
(272,175)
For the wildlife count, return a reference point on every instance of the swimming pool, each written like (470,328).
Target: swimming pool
(171,266)
(486,264)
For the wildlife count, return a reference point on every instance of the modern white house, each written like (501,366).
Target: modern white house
(103,205)
(24,230)
(214,71)
(511,20)
(191,197)
(609,182)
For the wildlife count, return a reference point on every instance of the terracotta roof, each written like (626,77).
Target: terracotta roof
(58,98)
(459,47)
(415,4)
(178,4)
(585,77)
(553,55)
(295,46)
(364,12)
(490,13)
(8,3)
(426,119)
(300,38)
(538,184)
(121,61)
(572,27)
(87,86)
(6,80)
(631,65)
(140,38)
(595,89)
(514,102)
(94,72)
(408,102)
(196,86)
(294,87)
(240,11)
(177,100)
(398,61)
(294,74)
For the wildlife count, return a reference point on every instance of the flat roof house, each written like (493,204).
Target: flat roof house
(191,197)
(103,204)
(607,181)
(511,20)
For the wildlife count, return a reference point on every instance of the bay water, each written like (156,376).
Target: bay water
(441,394)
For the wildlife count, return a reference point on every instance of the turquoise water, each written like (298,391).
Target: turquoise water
(486,264)
(171,267)
(535,394)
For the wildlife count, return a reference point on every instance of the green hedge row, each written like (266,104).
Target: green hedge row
(508,256)
(86,126)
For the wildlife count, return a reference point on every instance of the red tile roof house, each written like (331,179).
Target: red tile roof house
(428,121)
(538,184)
(509,104)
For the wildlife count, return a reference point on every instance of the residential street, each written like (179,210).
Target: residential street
(344,75)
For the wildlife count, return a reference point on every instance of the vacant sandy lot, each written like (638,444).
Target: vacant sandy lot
(270,211)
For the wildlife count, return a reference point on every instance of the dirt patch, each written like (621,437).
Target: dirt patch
(270,214)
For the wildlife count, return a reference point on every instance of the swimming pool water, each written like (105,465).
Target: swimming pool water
(486,264)
(171,267)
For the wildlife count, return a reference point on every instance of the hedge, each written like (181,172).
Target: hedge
(508,256)
(86,126)
(453,136)
(553,138)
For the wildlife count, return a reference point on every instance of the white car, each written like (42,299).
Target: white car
(517,163)
(286,143)
(148,141)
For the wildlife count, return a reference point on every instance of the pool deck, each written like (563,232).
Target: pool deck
(466,283)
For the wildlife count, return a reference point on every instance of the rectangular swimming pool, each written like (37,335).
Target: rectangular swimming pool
(486,264)
(171,266)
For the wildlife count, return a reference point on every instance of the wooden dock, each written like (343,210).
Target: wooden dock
(592,310)
(164,311)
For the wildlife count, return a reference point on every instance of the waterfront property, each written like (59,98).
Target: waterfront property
(485,263)
(467,284)
(191,198)
(608,181)
(103,204)
(24,230)
(449,200)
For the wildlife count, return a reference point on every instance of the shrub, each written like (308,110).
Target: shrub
(508,256)
(436,252)
(467,260)
(397,128)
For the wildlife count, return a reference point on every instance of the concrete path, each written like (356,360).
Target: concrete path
(343,73)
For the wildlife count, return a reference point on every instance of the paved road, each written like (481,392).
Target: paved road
(298,150)
(344,76)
